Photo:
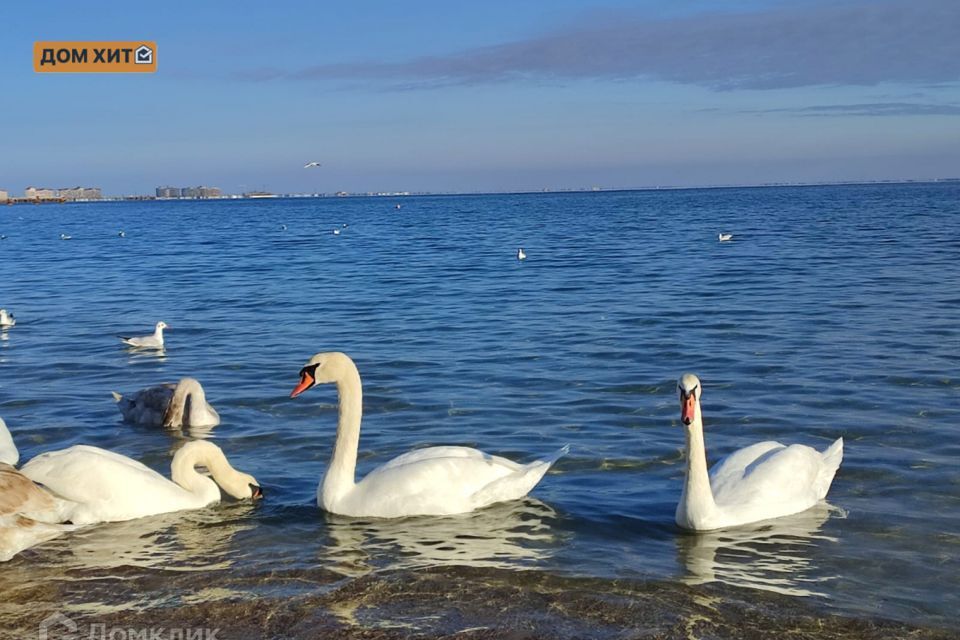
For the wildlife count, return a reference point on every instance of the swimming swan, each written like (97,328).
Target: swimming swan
(169,405)
(29,515)
(433,481)
(109,487)
(154,341)
(762,481)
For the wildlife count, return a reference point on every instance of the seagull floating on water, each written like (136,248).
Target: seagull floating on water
(2,237)
(283,227)
(725,237)
(64,236)
(336,232)
(122,234)
(154,341)
(6,319)
(397,206)
(520,254)
(311,164)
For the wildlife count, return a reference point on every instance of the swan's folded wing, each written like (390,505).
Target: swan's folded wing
(783,476)
(431,453)
(733,464)
(19,495)
(86,474)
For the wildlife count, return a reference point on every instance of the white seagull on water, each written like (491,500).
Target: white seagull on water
(725,237)
(154,341)
(520,254)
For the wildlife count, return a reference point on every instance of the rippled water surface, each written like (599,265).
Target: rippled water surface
(833,312)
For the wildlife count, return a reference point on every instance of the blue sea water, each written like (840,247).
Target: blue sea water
(833,312)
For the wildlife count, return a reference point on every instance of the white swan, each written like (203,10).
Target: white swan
(29,515)
(169,405)
(6,319)
(520,254)
(433,481)
(762,481)
(109,487)
(153,341)
(724,237)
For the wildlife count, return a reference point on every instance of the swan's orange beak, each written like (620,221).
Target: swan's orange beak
(306,381)
(687,405)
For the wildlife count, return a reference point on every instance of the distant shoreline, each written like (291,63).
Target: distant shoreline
(340,195)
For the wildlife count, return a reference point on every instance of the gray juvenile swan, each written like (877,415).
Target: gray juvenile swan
(169,405)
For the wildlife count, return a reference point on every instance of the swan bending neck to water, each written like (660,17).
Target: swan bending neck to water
(432,481)
(109,487)
(173,406)
(762,481)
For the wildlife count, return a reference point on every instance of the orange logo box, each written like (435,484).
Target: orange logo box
(135,56)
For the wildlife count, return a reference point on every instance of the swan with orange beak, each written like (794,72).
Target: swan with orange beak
(765,480)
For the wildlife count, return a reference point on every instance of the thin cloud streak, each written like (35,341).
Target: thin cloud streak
(862,43)
(868,109)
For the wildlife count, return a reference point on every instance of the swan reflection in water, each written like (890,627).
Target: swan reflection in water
(773,555)
(512,534)
(200,540)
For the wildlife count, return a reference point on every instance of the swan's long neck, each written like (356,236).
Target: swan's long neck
(183,470)
(340,476)
(696,502)
(193,401)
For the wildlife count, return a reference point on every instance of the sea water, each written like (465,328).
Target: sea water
(833,312)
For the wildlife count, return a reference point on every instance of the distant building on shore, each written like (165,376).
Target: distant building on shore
(200,192)
(69,193)
(168,192)
(39,193)
(259,194)
(4,196)
(80,193)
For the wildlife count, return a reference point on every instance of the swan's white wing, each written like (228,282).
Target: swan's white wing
(730,468)
(439,481)
(780,481)
(429,453)
(8,450)
(107,485)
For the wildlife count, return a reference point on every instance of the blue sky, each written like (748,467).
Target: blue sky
(442,96)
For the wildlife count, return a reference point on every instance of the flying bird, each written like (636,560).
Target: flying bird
(311,164)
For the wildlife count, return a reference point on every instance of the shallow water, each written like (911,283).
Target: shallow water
(831,313)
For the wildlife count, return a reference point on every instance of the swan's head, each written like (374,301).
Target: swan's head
(323,368)
(162,325)
(689,388)
(241,486)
